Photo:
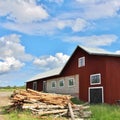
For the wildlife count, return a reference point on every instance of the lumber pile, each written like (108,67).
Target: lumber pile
(48,103)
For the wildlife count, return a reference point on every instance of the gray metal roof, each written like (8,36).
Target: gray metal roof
(57,71)
(99,51)
(46,74)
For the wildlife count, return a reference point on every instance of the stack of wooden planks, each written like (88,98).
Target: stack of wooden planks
(48,103)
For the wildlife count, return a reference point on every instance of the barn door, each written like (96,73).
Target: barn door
(96,94)
(34,85)
(44,86)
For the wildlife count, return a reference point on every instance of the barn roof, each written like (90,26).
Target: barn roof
(99,51)
(57,71)
(46,74)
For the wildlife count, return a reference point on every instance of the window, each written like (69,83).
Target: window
(34,85)
(71,82)
(53,84)
(95,79)
(81,62)
(61,83)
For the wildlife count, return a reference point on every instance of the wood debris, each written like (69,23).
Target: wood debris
(48,103)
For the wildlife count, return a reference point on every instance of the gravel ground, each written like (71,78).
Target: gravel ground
(4,101)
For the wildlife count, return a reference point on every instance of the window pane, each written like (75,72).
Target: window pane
(71,82)
(61,83)
(81,62)
(53,84)
(95,79)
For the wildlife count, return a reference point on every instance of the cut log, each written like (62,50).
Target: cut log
(53,112)
(71,111)
(39,106)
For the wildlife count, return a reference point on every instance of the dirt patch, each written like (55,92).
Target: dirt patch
(4,101)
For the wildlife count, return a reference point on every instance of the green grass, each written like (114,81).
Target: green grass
(75,100)
(105,112)
(26,115)
(10,89)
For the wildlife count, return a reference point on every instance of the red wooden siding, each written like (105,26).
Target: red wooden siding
(113,80)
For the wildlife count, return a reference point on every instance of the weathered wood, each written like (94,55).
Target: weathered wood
(71,111)
(52,112)
(39,106)
(48,103)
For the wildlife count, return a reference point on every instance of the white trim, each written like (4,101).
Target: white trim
(52,83)
(83,61)
(95,75)
(73,82)
(95,88)
(63,83)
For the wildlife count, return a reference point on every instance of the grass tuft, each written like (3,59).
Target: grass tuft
(105,112)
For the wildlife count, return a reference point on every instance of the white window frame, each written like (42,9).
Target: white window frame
(52,84)
(35,85)
(73,82)
(81,61)
(61,81)
(93,76)
(95,88)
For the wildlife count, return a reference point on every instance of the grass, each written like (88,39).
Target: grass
(105,112)
(10,89)
(26,115)
(75,100)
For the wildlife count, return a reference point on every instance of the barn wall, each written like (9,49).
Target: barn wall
(113,79)
(39,85)
(66,89)
(97,64)
(29,85)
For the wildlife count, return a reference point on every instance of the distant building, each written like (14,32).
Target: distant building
(92,75)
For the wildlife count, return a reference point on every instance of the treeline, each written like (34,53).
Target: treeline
(13,87)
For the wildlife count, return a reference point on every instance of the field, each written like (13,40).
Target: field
(99,112)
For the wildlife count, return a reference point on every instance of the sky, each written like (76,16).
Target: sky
(40,35)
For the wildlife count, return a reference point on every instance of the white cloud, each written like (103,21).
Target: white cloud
(56,1)
(117,52)
(94,40)
(10,63)
(13,54)
(76,25)
(49,62)
(48,27)
(96,9)
(22,11)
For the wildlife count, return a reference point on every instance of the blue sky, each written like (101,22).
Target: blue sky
(39,35)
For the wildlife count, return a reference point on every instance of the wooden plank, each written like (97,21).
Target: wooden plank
(71,111)
(52,112)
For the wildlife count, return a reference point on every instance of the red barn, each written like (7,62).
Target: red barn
(92,75)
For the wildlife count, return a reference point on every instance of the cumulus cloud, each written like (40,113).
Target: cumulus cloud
(50,62)
(48,27)
(13,54)
(94,40)
(96,9)
(10,63)
(76,25)
(22,11)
